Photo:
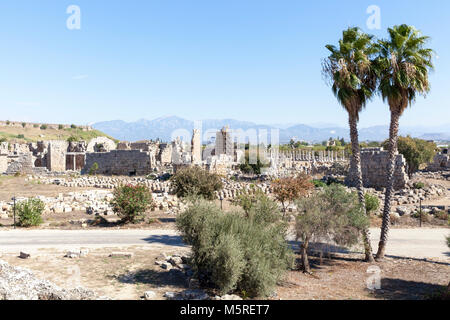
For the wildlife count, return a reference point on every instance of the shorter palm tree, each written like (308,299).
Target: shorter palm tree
(353,81)
(402,67)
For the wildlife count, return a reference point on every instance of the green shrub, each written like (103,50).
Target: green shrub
(44,127)
(236,252)
(196,181)
(419,185)
(442,215)
(131,202)
(73,126)
(35,125)
(372,203)
(20,136)
(60,127)
(8,122)
(73,139)
(319,183)
(332,214)
(29,212)
(93,169)
(24,124)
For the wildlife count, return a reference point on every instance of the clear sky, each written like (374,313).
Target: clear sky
(252,60)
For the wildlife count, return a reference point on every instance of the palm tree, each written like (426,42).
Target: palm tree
(402,67)
(353,81)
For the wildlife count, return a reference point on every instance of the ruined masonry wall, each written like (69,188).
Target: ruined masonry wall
(374,163)
(119,162)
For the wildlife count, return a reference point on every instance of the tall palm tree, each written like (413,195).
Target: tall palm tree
(353,82)
(402,67)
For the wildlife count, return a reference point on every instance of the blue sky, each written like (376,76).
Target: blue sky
(198,59)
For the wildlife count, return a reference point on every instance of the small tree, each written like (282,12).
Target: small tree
(44,127)
(372,203)
(93,169)
(29,212)
(24,124)
(332,214)
(73,126)
(60,127)
(287,190)
(194,181)
(417,152)
(131,202)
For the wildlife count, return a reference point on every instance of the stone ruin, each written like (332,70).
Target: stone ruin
(441,162)
(374,164)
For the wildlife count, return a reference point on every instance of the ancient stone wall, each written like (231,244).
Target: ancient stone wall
(56,156)
(22,163)
(3,163)
(374,164)
(119,162)
(440,162)
(165,154)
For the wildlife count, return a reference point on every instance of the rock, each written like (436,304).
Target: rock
(166,265)
(194,295)
(176,261)
(170,295)
(228,297)
(149,295)
(21,284)
(24,255)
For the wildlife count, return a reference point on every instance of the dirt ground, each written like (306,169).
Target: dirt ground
(17,186)
(339,278)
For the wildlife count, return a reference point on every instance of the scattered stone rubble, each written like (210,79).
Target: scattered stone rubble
(21,284)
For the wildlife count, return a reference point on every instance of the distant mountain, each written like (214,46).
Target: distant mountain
(167,128)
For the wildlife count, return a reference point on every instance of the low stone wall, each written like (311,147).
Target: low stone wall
(119,162)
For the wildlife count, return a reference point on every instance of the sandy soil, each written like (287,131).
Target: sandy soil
(340,278)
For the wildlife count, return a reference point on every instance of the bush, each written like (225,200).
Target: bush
(20,136)
(24,124)
(131,202)
(73,139)
(332,214)
(442,215)
(44,127)
(35,126)
(372,203)
(93,169)
(29,212)
(60,127)
(194,181)
(319,183)
(73,126)
(419,185)
(234,251)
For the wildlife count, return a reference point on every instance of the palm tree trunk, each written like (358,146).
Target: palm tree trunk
(356,157)
(393,138)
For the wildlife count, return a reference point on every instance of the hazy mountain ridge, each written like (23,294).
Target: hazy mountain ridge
(163,128)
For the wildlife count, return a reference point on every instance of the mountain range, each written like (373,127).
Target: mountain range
(165,128)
